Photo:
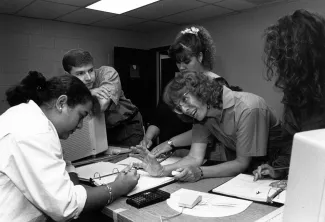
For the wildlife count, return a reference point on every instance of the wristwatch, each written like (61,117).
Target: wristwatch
(171,144)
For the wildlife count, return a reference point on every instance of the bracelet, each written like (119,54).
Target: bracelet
(110,199)
(201,173)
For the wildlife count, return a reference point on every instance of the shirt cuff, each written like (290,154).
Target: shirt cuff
(81,199)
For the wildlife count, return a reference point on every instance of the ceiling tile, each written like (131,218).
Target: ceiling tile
(210,1)
(12,6)
(81,3)
(85,16)
(150,26)
(46,10)
(196,14)
(164,8)
(118,21)
(235,4)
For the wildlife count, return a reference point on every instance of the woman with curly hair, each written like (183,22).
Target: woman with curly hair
(241,121)
(294,56)
(193,50)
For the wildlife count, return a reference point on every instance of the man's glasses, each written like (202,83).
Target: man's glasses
(183,101)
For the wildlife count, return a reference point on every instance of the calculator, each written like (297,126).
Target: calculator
(147,198)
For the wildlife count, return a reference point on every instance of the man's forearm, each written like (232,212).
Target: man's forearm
(152,132)
(227,169)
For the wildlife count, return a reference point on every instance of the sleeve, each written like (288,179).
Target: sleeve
(200,134)
(37,168)
(252,132)
(110,80)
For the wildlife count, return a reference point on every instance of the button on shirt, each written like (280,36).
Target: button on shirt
(243,124)
(34,183)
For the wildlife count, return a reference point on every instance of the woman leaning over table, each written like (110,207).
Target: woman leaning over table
(294,56)
(34,182)
(193,50)
(242,121)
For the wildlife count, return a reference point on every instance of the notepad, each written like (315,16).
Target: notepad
(243,186)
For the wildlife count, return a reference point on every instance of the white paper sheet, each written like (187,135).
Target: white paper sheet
(243,186)
(211,205)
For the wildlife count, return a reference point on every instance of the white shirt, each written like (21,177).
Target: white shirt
(34,183)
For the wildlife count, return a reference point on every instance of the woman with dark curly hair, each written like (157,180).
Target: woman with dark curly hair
(241,121)
(294,56)
(193,50)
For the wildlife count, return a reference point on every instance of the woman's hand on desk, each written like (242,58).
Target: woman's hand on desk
(161,148)
(149,162)
(188,174)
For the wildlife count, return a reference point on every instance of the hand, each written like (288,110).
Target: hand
(265,169)
(146,142)
(188,174)
(100,93)
(149,162)
(161,148)
(127,180)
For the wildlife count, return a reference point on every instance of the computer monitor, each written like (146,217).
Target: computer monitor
(305,198)
(90,140)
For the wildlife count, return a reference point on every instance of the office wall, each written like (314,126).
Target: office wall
(240,45)
(35,44)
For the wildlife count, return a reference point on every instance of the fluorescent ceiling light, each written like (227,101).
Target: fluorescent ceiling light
(119,6)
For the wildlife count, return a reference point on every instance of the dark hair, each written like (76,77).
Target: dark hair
(295,54)
(76,58)
(207,90)
(35,87)
(190,42)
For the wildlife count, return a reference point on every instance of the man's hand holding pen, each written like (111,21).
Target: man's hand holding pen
(128,177)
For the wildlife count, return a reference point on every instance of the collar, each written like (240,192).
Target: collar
(227,100)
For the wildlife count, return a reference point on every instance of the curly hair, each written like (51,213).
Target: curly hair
(201,86)
(294,54)
(187,44)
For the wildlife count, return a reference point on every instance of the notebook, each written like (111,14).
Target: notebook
(243,186)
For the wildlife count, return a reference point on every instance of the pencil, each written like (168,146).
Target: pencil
(281,168)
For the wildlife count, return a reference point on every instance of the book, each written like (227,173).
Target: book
(243,186)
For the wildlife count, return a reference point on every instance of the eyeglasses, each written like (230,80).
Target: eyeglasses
(183,101)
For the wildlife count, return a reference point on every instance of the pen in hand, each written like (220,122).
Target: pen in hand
(260,172)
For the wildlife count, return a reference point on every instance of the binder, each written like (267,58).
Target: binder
(244,187)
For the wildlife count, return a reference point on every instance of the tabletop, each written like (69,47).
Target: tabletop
(121,211)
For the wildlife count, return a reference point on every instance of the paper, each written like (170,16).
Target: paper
(130,160)
(98,169)
(274,216)
(243,186)
(211,205)
(145,182)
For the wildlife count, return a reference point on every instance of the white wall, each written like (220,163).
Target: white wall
(240,45)
(35,44)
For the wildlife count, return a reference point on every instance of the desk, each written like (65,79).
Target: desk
(147,214)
